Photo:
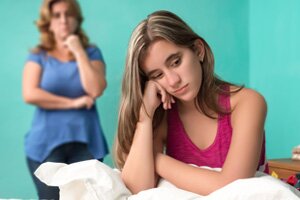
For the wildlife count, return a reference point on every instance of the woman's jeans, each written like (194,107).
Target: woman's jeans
(66,153)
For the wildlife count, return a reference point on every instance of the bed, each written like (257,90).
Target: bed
(93,180)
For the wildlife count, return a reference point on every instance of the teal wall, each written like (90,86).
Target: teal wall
(231,28)
(275,69)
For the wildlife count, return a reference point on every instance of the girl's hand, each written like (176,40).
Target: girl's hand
(73,44)
(154,95)
(83,102)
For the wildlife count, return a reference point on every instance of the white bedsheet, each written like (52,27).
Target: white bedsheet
(93,180)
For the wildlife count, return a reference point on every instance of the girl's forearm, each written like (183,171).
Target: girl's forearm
(138,172)
(187,177)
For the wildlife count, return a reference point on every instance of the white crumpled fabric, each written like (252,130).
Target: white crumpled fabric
(93,180)
(86,180)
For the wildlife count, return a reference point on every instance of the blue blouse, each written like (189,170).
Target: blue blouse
(51,128)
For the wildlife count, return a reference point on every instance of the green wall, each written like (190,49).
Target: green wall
(244,54)
(275,69)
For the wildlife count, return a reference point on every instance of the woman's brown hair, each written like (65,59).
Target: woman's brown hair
(47,42)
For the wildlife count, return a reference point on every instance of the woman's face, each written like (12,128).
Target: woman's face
(63,22)
(177,69)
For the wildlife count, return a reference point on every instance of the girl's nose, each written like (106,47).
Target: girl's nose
(173,78)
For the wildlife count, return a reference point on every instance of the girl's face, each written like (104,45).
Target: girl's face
(63,22)
(177,69)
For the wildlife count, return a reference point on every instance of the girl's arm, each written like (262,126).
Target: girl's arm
(248,117)
(92,73)
(33,94)
(138,172)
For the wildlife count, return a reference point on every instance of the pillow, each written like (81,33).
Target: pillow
(93,180)
(87,180)
(262,187)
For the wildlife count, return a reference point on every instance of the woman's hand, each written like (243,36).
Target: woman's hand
(83,102)
(154,95)
(73,44)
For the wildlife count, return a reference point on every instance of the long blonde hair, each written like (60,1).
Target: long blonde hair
(47,42)
(168,26)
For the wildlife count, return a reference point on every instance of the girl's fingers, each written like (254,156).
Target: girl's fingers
(162,92)
(166,98)
(163,96)
(167,103)
(172,99)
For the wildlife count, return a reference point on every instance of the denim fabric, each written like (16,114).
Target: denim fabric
(66,153)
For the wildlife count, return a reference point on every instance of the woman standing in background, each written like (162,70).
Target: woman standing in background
(63,76)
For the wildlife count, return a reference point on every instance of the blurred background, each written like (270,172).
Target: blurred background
(255,43)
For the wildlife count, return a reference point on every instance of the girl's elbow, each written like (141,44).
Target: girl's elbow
(135,186)
(139,187)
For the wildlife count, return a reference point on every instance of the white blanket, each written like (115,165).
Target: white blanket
(93,180)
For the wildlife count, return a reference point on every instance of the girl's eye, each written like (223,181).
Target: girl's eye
(156,76)
(176,62)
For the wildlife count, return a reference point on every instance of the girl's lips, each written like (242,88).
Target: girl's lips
(181,90)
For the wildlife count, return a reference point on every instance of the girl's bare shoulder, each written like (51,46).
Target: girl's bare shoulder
(246,97)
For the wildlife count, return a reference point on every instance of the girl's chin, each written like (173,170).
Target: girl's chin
(186,98)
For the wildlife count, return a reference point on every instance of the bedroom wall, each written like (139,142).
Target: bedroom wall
(275,70)
(248,40)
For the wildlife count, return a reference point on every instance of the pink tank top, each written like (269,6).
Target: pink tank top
(180,147)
